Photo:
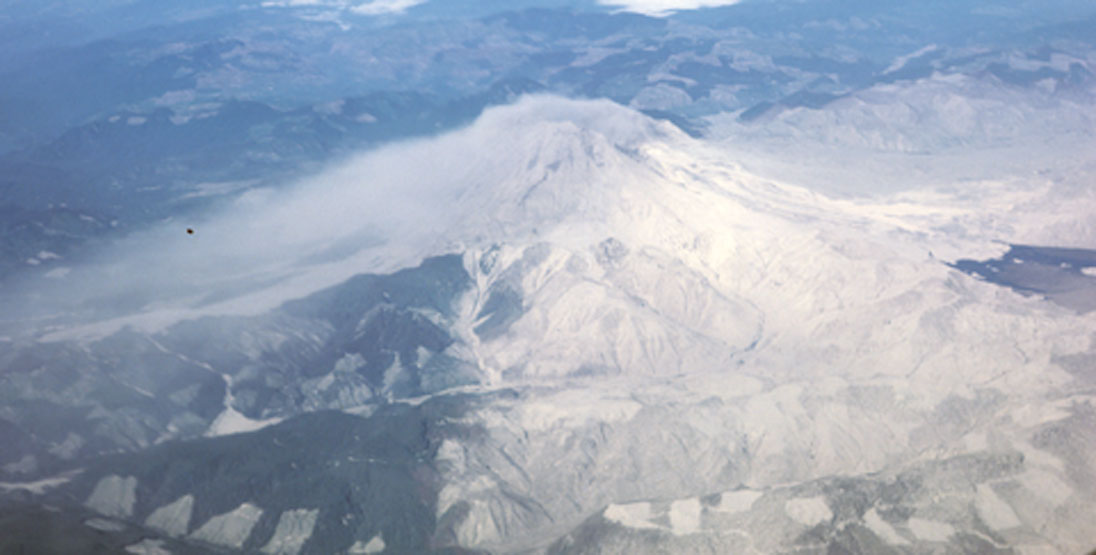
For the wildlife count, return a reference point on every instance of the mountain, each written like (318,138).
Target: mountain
(333,276)
(577,329)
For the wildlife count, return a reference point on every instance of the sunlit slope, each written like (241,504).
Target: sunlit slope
(822,338)
(645,327)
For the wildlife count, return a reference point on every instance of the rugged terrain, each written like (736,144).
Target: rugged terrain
(849,314)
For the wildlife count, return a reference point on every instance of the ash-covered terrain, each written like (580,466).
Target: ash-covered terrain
(770,277)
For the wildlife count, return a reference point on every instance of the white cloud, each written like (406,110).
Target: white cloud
(268,246)
(303,3)
(661,8)
(372,7)
(381,7)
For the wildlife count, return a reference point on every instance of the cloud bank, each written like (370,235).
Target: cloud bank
(662,8)
(372,7)
(373,213)
(381,7)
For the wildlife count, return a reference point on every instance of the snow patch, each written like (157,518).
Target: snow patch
(68,448)
(422,356)
(1034,414)
(230,421)
(230,529)
(809,511)
(993,510)
(738,501)
(349,363)
(38,487)
(1046,486)
(148,546)
(976,441)
(114,496)
(375,545)
(901,61)
(685,516)
(294,528)
(881,528)
(174,518)
(631,515)
(930,530)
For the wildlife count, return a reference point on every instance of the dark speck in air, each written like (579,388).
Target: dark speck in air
(190,231)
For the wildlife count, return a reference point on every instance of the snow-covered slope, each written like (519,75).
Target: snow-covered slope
(756,334)
(669,329)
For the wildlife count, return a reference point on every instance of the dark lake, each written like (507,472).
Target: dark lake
(1064,275)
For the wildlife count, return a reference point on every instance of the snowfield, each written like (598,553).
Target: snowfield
(698,353)
(744,332)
